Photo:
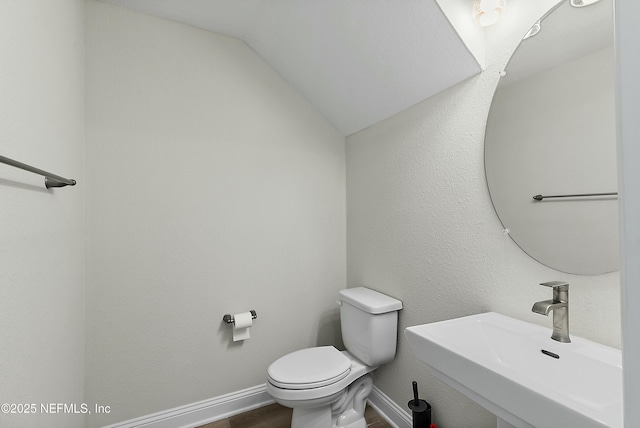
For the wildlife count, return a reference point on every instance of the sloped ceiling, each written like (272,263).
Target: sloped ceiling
(356,61)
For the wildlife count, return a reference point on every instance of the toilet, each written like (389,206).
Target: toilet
(328,388)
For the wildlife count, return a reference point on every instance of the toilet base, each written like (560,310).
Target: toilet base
(347,411)
(350,409)
(352,420)
(318,417)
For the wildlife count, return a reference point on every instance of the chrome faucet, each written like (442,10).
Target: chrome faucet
(560,307)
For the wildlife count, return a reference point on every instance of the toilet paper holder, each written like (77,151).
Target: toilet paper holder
(228,318)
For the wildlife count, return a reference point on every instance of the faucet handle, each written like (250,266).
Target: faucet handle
(557,285)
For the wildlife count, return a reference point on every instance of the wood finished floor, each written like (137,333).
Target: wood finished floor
(277,416)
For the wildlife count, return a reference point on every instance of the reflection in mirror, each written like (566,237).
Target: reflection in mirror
(551,131)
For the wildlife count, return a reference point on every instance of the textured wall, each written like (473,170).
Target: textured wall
(422,228)
(42,231)
(215,189)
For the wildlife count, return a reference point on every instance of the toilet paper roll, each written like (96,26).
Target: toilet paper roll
(241,324)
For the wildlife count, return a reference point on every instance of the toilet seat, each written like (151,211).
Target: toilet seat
(309,368)
(300,397)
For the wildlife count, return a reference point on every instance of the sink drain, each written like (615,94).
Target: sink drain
(551,354)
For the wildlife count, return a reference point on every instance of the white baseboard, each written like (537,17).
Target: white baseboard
(224,406)
(203,412)
(388,409)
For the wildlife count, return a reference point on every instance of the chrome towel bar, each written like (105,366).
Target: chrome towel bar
(50,180)
(580,195)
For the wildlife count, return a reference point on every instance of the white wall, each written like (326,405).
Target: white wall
(421,227)
(42,231)
(215,189)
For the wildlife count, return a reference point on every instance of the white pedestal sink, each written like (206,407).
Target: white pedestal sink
(513,369)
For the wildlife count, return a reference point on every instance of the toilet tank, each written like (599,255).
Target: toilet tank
(369,322)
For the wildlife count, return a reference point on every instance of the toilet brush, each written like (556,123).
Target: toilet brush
(420,409)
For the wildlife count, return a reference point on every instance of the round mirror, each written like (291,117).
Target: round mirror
(550,144)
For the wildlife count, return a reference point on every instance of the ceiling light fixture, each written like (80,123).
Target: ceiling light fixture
(583,3)
(487,12)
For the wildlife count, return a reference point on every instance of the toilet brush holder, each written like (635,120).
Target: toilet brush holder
(420,409)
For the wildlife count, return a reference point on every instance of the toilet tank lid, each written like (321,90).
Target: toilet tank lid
(369,300)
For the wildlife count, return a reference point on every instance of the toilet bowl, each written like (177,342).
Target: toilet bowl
(328,388)
(318,397)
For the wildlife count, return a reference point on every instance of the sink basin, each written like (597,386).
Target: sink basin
(513,369)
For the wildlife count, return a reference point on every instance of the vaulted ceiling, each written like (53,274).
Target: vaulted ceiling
(356,61)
